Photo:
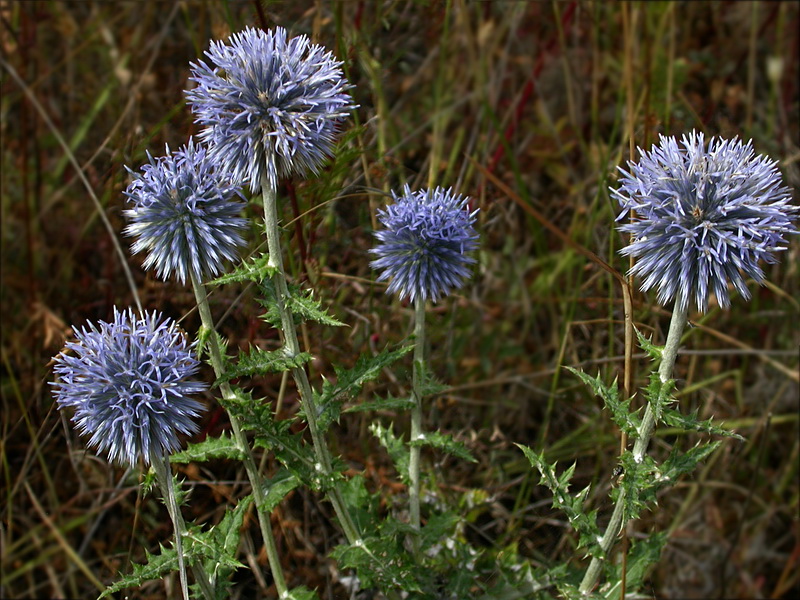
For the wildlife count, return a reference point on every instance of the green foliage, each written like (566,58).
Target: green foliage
(219,547)
(627,420)
(389,403)
(653,351)
(155,567)
(303,306)
(255,270)
(690,422)
(349,381)
(276,436)
(584,523)
(203,336)
(642,555)
(397,450)
(446,443)
(277,487)
(259,362)
(209,449)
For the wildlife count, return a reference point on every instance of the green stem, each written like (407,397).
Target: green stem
(239,437)
(160,465)
(293,349)
(645,432)
(416,417)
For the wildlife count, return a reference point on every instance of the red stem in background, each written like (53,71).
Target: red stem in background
(527,91)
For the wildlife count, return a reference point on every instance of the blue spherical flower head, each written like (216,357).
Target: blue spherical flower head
(704,217)
(185,214)
(270,105)
(128,384)
(425,247)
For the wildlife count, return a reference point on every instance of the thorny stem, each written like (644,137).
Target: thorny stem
(416,417)
(239,437)
(617,522)
(293,349)
(160,465)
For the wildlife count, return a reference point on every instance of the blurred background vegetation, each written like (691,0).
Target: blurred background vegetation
(549,97)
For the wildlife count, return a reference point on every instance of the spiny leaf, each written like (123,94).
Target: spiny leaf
(653,351)
(349,381)
(258,362)
(446,443)
(277,487)
(390,403)
(257,269)
(209,449)
(301,593)
(572,505)
(397,450)
(673,418)
(620,410)
(303,306)
(155,567)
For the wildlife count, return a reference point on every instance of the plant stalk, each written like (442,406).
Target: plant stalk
(416,417)
(293,348)
(161,467)
(239,437)
(617,522)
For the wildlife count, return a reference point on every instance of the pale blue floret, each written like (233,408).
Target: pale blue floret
(269,105)
(704,218)
(184,214)
(128,383)
(424,248)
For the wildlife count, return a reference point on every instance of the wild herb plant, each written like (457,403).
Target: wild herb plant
(702,217)
(270,107)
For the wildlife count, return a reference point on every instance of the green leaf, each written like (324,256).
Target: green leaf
(388,404)
(397,450)
(653,351)
(349,382)
(620,410)
(301,302)
(256,270)
(673,418)
(446,443)
(438,527)
(156,567)
(678,463)
(642,555)
(572,505)
(259,362)
(209,449)
(301,593)
(275,436)
(276,488)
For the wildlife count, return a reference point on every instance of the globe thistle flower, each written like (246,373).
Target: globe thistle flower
(269,105)
(184,214)
(128,383)
(704,217)
(424,248)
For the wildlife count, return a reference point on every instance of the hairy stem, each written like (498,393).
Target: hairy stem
(239,437)
(416,417)
(164,479)
(617,522)
(292,345)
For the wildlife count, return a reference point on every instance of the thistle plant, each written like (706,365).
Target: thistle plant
(129,384)
(424,251)
(702,217)
(186,214)
(270,107)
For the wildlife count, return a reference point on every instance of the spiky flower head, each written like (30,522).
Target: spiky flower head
(425,247)
(185,214)
(269,105)
(128,382)
(704,217)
